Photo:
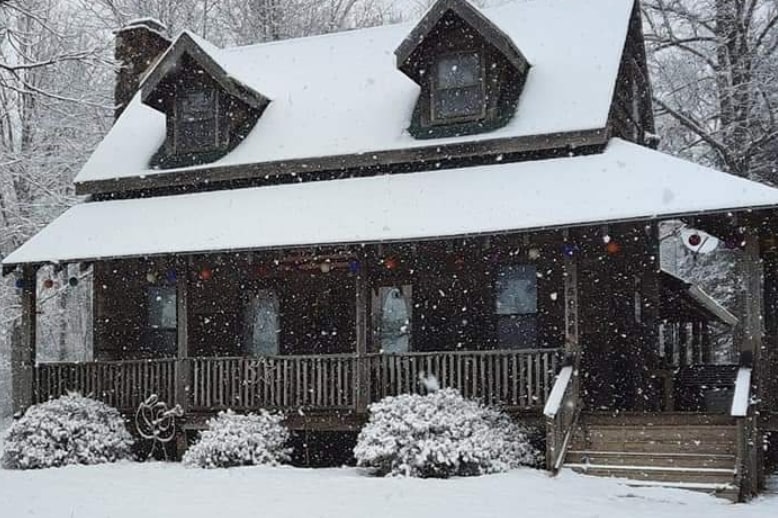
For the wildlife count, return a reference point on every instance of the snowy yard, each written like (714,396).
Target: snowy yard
(129,490)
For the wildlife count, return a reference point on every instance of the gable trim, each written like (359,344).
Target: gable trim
(185,44)
(473,17)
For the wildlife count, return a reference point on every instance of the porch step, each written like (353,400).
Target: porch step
(669,460)
(727,491)
(676,475)
(690,451)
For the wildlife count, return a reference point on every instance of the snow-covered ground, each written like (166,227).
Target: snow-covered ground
(128,490)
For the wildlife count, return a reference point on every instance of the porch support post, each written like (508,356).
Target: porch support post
(23,346)
(751,355)
(363,368)
(182,329)
(572,344)
(751,341)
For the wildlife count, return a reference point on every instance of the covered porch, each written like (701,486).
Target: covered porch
(277,297)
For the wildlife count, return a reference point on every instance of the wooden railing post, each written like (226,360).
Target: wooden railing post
(23,347)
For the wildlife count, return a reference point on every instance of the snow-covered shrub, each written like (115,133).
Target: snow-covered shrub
(69,430)
(440,435)
(240,440)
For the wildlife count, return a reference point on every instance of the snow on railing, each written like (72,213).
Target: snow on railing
(554,401)
(742,397)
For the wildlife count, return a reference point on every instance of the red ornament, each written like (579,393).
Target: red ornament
(48,284)
(205,274)
(391,262)
(695,240)
(613,247)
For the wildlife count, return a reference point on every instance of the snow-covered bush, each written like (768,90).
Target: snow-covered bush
(240,440)
(440,435)
(69,430)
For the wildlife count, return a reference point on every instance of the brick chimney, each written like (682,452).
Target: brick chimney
(138,45)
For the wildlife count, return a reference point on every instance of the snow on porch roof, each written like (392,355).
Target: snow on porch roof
(342,94)
(624,182)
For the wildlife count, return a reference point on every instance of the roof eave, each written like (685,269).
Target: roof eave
(10,267)
(484,149)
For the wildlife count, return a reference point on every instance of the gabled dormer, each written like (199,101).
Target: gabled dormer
(208,112)
(470,72)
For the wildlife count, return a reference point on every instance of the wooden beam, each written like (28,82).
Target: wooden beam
(571,305)
(363,375)
(751,336)
(182,330)
(23,347)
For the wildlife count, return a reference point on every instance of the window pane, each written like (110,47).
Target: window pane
(395,321)
(197,136)
(459,71)
(196,121)
(458,102)
(162,307)
(516,288)
(261,324)
(517,331)
(197,105)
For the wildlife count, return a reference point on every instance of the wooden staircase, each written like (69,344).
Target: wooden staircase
(690,451)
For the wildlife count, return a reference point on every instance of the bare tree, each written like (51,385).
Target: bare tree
(713,63)
(53,109)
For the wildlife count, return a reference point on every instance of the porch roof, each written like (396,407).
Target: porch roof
(685,297)
(625,182)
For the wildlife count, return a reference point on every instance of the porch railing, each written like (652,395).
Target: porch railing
(315,382)
(517,380)
(121,384)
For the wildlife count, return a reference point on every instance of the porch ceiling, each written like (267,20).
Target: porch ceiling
(625,182)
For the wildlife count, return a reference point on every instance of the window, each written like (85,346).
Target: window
(196,121)
(394,327)
(261,326)
(161,333)
(516,307)
(162,307)
(458,92)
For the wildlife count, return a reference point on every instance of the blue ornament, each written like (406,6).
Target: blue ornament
(353,266)
(569,249)
(20,284)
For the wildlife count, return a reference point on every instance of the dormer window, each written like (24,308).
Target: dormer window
(470,73)
(458,92)
(196,121)
(208,112)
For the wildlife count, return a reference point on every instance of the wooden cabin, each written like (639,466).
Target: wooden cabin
(315,224)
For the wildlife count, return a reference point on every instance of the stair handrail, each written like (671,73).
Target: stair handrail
(561,411)
(741,399)
(742,410)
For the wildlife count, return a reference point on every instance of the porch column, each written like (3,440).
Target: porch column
(752,331)
(182,338)
(572,344)
(363,368)
(23,346)
(751,355)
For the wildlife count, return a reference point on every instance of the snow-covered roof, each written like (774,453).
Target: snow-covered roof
(624,182)
(342,94)
(698,296)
